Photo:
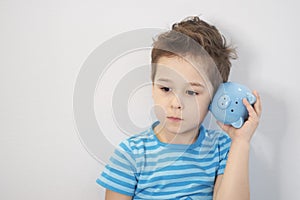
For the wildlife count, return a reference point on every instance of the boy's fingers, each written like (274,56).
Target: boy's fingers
(249,107)
(257,105)
(253,116)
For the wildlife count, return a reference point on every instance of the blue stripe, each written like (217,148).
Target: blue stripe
(118,181)
(127,150)
(153,146)
(121,173)
(224,137)
(184,190)
(121,164)
(221,171)
(201,184)
(151,165)
(224,151)
(129,159)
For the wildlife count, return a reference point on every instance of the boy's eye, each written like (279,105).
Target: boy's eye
(165,89)
(192,93)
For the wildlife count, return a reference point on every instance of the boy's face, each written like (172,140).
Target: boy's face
(180,94)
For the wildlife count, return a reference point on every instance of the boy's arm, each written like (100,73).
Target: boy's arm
(217,185)
(111,195)
(234,183)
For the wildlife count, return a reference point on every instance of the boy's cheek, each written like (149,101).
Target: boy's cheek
(196,109)
(159,111)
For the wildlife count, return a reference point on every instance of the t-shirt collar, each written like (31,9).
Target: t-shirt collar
(197,143)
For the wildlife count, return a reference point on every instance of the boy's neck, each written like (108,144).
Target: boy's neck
(175,138)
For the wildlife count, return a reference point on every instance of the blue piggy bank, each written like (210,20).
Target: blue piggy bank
(227,106)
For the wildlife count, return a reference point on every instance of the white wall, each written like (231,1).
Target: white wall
(43,45)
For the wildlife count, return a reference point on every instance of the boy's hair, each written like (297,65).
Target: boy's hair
(194,30)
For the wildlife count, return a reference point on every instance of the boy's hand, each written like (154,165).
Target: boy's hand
(247,130)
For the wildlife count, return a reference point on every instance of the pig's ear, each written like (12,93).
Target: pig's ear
(251,98)
(238,124)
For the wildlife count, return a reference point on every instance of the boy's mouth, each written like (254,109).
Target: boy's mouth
(174,119)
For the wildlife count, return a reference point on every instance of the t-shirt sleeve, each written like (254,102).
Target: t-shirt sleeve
(120,174)
(224,146)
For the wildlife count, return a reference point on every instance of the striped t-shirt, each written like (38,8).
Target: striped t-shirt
(145,168)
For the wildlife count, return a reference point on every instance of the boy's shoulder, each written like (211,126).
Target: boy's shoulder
(139,140)
(215,138)
(218,137)
(215,133)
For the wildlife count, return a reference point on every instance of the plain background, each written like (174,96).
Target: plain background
(44,43)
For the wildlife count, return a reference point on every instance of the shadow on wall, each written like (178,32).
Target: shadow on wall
(266,142)
(266,147)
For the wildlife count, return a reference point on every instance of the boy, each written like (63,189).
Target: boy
(177,158)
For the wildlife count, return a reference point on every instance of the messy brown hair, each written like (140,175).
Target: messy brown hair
(195,30)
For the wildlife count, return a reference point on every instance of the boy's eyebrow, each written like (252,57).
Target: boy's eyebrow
(164,80)
(196,84)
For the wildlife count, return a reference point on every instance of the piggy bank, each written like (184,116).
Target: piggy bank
(227,106)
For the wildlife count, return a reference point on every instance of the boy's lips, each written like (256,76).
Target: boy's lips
(176,119)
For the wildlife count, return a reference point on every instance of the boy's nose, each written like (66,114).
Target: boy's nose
(176,102)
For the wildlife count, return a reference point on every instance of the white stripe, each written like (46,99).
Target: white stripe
(118,177)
